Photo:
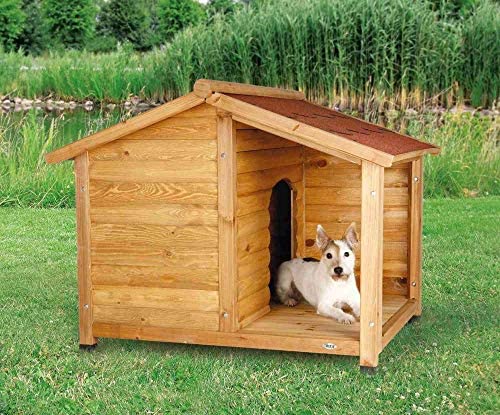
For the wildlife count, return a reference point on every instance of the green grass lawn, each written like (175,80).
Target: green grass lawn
(447,362)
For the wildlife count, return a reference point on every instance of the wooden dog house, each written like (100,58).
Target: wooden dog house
(182,210)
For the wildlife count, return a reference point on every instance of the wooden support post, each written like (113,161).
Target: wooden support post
(415,213)
(372,232)
(228,267)
(83,256)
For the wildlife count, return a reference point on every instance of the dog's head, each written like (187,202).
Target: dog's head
(338,254)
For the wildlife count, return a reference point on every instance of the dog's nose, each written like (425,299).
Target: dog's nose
(338,270)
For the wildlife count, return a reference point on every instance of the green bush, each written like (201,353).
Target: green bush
(175,15)
(69,23)
(11,23)
(125,21)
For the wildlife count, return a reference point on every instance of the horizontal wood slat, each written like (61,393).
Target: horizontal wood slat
(156,150)
(340,214)
(156,298)
(155,171)
(250,161)
(253,303)
(253,222)
(176,215)
(254,242)
(178,128)
(140,316)
(252,263)
(105,193)
(351,196)
(253,139)
(253,283)
(253,202)
(176,256)
(156,236)
(239,339)
(159,277)
(265,179)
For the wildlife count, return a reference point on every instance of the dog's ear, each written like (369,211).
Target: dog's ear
(322,238)
(350,236)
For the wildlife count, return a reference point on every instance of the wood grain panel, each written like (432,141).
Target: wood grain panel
(253,263)
(253,303)
(250,161)
(253,202)
(140,316)
(105,193)
(160,277)
(253,222)
(254,242)
(175,256)
(179,215)
(156,298)
(178,128)
(351,196)
(265,179)
(155,236)
(156,150)
(202,110)
(340,214)
(248,140)
(154,171)
(253,283)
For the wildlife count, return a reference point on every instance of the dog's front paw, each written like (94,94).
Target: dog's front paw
(291,302)
(347,319)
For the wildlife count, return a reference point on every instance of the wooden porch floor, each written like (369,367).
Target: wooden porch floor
(302,321)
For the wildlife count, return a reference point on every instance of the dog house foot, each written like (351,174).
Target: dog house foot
(88,347)
(368,370)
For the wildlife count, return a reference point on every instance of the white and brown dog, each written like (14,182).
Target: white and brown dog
(329,284)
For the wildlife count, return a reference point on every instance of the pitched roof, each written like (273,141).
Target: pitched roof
(282,112)
(335,122)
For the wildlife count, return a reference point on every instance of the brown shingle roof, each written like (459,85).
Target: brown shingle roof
(337,123)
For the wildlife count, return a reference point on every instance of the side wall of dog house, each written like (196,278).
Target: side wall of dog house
(154,226)
(262,161)
(333,199)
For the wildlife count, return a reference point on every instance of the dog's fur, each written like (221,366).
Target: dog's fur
(322,283)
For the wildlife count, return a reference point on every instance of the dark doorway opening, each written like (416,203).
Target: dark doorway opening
(281,247)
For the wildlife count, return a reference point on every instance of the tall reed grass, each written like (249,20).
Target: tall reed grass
(468,166)
(356,53)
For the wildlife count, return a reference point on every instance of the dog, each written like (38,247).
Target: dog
(329,284)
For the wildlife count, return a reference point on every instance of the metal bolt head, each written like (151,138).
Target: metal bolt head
(222,155)
(82,188)
(373,193)
(225,315)
(85,306)
(415,179)
(413,284)
(371,324)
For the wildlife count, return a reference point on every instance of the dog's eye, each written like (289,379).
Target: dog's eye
(346,254)
(328,255)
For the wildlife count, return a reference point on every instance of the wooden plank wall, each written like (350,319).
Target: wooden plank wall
(263,160)
(333,199)
(154,225)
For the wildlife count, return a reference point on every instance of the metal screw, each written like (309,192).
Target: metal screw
(371,324)
(373,193)
(85,306)
(415,179)
(329,346)
(225,315)
(82,188)
(414,284)
(222,155)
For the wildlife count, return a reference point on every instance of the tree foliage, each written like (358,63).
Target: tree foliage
(175,15)
(125,21)
(11,22)
(69,23)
